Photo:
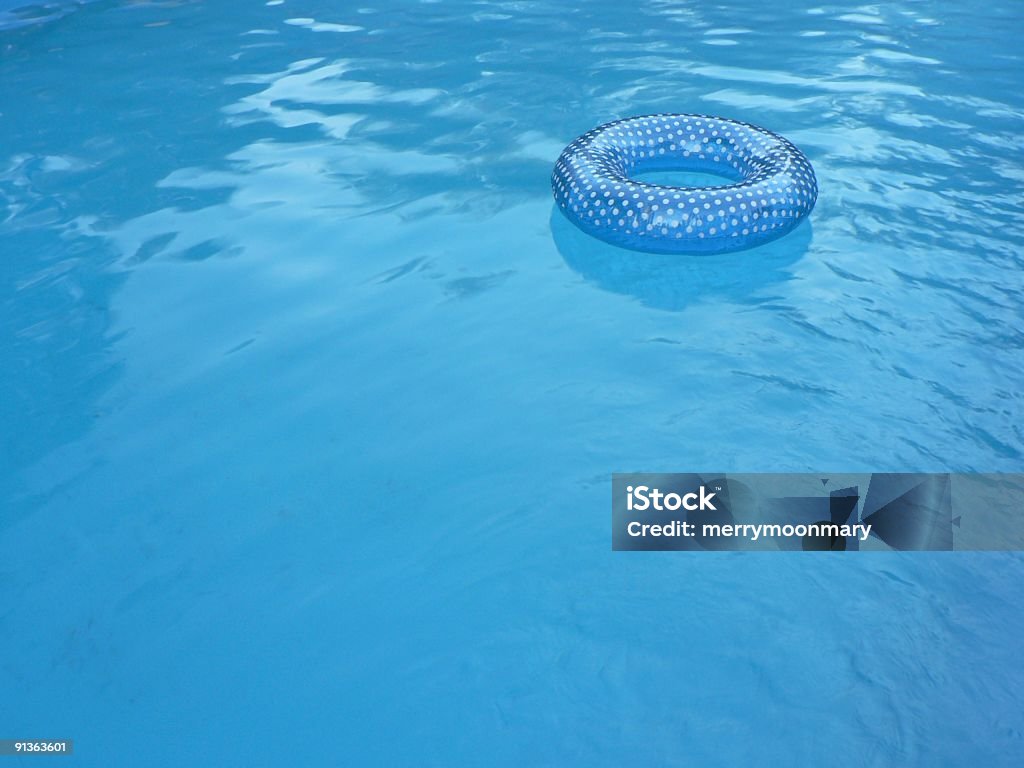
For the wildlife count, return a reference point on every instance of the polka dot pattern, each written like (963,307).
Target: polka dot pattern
(774,189)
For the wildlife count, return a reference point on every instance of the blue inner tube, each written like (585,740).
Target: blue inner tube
(774,187)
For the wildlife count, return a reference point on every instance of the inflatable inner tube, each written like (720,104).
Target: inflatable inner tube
(774,186)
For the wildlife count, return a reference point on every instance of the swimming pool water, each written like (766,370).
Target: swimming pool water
(310,398)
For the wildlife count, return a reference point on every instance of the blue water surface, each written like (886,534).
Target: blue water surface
(310,398)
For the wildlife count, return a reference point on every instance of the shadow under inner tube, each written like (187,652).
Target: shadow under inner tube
(668,282)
